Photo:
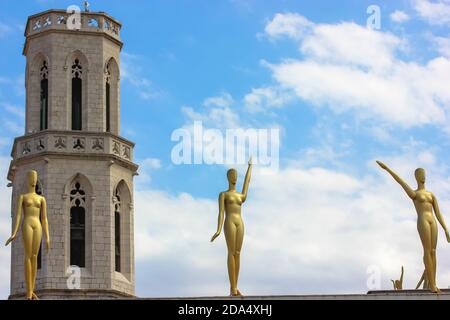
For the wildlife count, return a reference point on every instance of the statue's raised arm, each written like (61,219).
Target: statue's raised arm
(409,191)
(248,175)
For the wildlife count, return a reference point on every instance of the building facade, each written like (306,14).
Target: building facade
(85,168)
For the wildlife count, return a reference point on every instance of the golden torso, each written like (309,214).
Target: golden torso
(424,205)
(233,203)
(31,208)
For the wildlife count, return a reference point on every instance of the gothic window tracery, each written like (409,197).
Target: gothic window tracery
(77,72)
(117,226)
(77,226)
(44,96)
(108,98)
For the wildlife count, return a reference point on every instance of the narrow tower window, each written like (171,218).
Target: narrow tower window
(108,99)
(77,71)
(44,97)
(77,226)
(117,226)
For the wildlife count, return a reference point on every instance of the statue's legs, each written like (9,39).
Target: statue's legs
(239,242)
(32,236)
(428,236)
(27,233)
(37,239)
(234,235)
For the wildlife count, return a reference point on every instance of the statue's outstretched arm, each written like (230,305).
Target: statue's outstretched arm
(45,222)
(411,193)
(439,217)
(18,220)
(248,175)
(221,216)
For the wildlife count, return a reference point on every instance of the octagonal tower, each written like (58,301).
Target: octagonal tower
(85,168)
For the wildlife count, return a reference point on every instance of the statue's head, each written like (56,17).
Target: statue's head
(232,176)
(32,178)
(420,175)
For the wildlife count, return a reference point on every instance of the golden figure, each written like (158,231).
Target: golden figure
(230,202)
(425,202)
(398,284)
(35,210)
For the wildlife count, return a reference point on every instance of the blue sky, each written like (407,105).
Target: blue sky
(342,96)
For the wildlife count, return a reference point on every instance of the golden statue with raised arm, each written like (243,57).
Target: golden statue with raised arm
(425,202)
(230,203)
(34,210)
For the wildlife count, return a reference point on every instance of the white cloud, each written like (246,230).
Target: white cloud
(349,43)
(443,45)
(5,142)
(131,72)
(146,167)
(151,163)
(315,229)
(245,6)
(399,16)
(265,98)
(15,83)
(13,127)
(292,25)
(5,30)
(223,101)
(217,112)
(353,69)
(435,12)
(16,110)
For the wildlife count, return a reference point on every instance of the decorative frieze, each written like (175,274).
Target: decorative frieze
(67,142)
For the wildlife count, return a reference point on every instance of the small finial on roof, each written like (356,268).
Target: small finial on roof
(86,6)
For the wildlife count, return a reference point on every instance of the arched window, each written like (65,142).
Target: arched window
(44,97)
(121,217)
(117,230)
(108,98)
(111,96)
(77,72)
(77,226)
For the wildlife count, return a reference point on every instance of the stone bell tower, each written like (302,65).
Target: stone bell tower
(85,168)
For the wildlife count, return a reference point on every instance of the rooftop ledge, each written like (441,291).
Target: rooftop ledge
(371,295)
(98,22)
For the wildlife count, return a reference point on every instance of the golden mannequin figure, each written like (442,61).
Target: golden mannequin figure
(398,284)
(34,207)
(425,202)
(230,203)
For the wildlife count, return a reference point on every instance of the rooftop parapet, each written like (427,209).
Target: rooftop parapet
(58,20)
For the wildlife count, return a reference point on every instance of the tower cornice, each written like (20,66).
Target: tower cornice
(62,143)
